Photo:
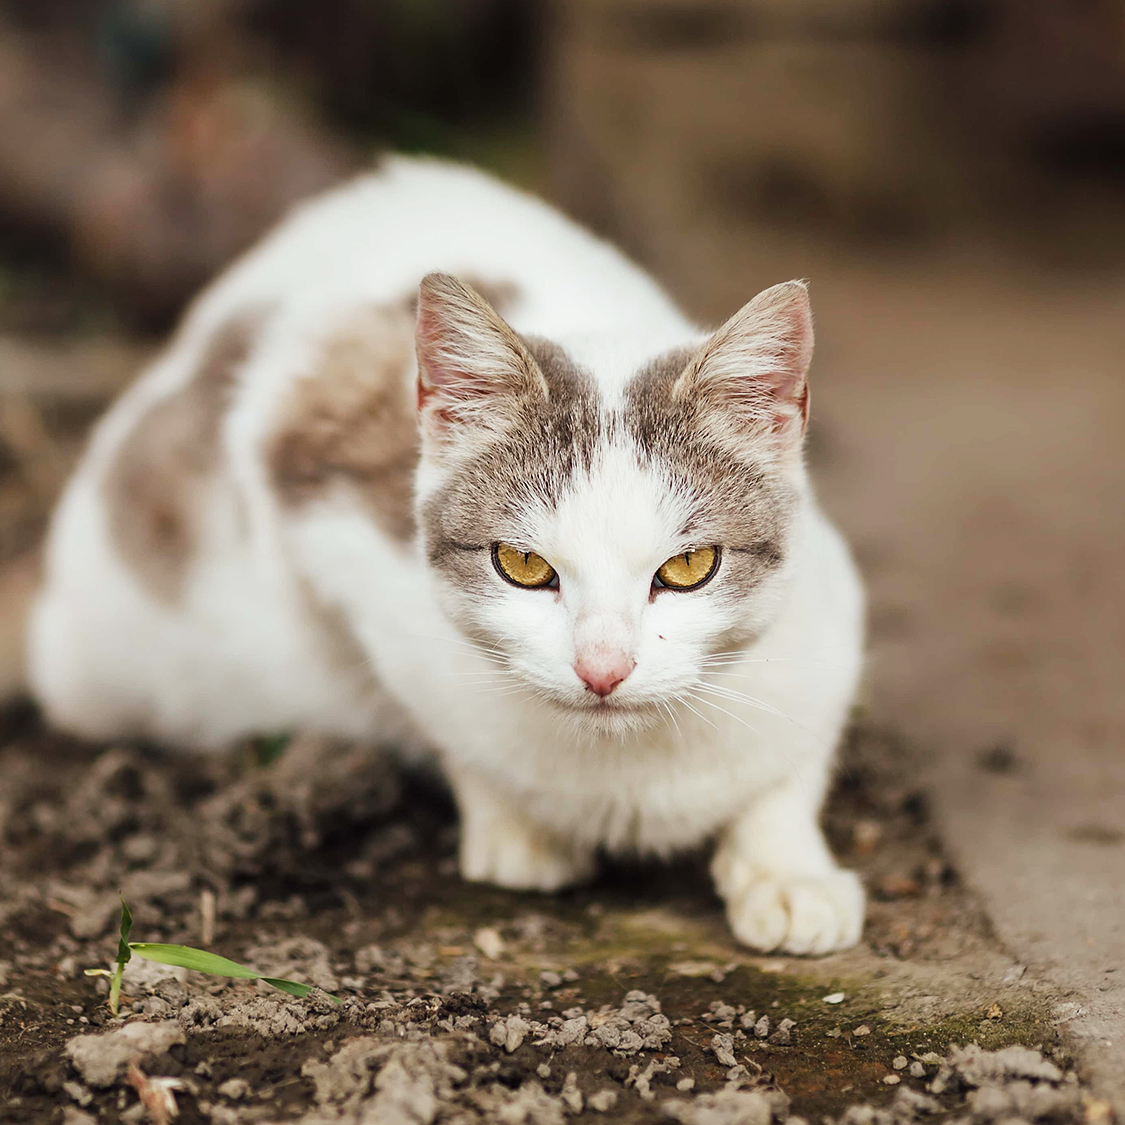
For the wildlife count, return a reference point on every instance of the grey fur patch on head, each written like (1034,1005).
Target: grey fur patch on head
(740,502)
(155,487)
(545,441)
(351,421)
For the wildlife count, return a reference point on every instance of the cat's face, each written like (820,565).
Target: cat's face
(603,545)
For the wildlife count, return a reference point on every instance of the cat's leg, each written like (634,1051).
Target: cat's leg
(499,844)
(782,887)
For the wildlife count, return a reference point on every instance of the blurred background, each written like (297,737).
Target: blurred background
(950,174)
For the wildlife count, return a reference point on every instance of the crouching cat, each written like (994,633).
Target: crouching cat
(433,464)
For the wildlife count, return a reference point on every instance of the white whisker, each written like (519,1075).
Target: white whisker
(724,692)
(779,746)
(737,718)
(671,715)
(699,714)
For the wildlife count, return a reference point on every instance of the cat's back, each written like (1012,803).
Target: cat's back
(289,378)
(372,239)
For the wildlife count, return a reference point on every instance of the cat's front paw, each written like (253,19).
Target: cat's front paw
(812,914)
(510,856)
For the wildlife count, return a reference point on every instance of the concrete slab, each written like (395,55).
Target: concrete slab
(975,451)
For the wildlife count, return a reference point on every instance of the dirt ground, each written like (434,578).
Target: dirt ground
(626,1000)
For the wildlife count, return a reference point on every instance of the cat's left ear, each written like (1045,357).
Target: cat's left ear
(470,362)
(754,369)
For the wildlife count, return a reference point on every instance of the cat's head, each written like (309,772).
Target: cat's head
(605,535)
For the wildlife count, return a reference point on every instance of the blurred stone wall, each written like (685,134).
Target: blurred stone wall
(144,143)
(876,120)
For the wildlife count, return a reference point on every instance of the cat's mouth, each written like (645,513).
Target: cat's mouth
(609,711)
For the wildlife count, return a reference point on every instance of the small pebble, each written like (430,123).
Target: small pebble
(685,1084)
(488,940)
(917,1070)
(863,1029)
(892,1080)
(762,1027)
(866,834)
(603,1101)
(723,1046)
(234,1088)
(570,1094)
(550,979)
(543,1070)
(900,1062)
(834,998)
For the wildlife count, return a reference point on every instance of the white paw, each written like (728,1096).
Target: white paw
(519,860)
(798,913)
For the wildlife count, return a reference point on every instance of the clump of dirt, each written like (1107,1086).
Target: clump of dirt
(101,1060)
(625,1001)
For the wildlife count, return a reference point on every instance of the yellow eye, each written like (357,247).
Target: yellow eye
(522,568)
(689,570)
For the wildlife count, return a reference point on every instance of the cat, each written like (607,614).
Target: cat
(433,465)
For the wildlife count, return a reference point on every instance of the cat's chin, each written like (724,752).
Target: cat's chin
(609,717)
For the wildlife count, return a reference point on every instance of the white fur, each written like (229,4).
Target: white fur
(738,750)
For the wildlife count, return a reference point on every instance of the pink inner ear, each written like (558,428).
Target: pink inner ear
(437,341)
(805,400)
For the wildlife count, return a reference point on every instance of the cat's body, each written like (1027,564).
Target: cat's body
(252,544)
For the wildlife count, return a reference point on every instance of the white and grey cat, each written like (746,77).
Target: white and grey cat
(526,515)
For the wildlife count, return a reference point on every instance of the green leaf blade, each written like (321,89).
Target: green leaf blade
(185,957)
(295,988)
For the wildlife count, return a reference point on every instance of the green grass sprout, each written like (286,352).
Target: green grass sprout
(186,957)
(266,749)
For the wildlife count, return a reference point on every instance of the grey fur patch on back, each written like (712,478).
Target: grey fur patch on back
(738,503)
(351,421)
(546,442)
(155,487)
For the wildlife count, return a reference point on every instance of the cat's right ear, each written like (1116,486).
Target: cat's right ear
(468,359)
(753,372)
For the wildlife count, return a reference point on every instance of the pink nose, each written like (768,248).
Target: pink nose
(602,672)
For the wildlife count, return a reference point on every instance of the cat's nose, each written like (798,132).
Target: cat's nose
(603,671)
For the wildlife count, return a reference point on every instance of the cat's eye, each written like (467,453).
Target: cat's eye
(522,568)
(690,570)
